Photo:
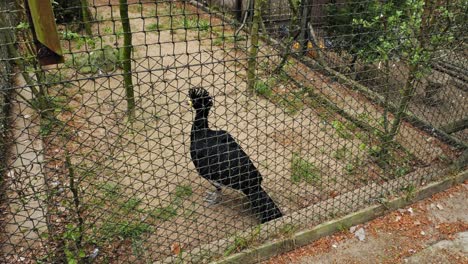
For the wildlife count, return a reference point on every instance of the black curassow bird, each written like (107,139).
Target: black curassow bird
(219,159)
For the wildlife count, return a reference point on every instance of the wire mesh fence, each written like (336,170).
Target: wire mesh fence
(185,131)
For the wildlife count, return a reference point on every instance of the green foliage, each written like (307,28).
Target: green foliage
(22,26)
(183,191)
(152,27)
(80,40)
(410,191)
(288,229)
(343,129)
(342,30)
(107,59)
(70,35)
(350,168)
(111,190)
(125,229)
(164,213)
(262,88)
(303,170)
(193,23)
(223,38)
(159,26)
(131,205)
(340,153)
(73,250)
(241,243)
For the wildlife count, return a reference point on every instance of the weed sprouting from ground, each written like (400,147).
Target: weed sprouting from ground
(303,170)
(129,218)
(240,243)
(263,89)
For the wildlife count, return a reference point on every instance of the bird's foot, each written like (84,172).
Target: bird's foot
(213,198)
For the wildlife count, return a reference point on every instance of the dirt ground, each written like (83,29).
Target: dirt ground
(433,230)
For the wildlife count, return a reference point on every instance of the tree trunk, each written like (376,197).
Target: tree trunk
(253,53)
(126,59)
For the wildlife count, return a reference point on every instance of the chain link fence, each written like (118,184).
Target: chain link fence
(115,157)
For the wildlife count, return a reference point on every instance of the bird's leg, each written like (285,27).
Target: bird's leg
(215,196)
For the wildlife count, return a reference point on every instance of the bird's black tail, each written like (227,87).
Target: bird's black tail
(262,204)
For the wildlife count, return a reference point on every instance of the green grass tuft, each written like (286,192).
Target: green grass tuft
(302,170)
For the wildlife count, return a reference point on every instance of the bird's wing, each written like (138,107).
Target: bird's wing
(231,165)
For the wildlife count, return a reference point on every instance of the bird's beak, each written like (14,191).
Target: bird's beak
(189,102)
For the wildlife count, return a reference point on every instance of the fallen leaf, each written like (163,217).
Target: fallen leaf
(175,248)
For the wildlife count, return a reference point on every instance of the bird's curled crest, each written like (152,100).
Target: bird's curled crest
(200,98)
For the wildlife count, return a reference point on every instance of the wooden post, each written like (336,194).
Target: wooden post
(44,31)
(126,57)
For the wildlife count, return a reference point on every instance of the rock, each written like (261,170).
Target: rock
(440,207)
(360,234)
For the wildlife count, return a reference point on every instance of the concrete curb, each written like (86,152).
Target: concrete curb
(265,251)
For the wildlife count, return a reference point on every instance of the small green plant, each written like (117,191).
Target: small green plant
(22,26)
(125,229)
(291,102)
(131,205)
(262,88)
(164,213)
(183,191)
(400,171)
(343,227)
(108,30)
(218,41)
(152,27)
(350,168)
(70,35)
(111,190)
(340,153)
(48,125)
(302,170)
(223,38)
(169,211)
(238,245)
(342,129)
(203,25)
(362,146)
(241,243)
(73,250)
(107,59)
(80,40)
(410,191)
(288,229)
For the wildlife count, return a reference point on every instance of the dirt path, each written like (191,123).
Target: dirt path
(27,215)
(430,231)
